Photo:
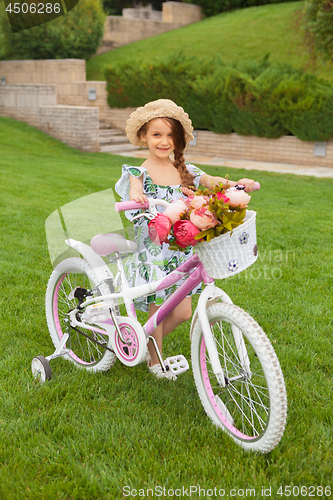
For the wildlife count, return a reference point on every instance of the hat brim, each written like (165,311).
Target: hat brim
(161,108)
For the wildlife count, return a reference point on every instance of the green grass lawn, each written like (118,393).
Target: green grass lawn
(236,36)
(86,436)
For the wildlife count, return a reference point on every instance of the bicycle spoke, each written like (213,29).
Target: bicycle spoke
(84,348)
(245,402)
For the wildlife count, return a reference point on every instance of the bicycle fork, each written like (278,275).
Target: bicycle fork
(209,293)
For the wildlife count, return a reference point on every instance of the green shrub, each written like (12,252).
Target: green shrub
(252,98)
(318,23)
(74,35)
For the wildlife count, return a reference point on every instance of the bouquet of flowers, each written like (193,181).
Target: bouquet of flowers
(204,215)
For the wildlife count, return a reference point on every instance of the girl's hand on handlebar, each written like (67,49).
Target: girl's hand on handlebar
(137,196)
(250,184)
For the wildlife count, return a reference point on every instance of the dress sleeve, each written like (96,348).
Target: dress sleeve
(196,172)
(122,186)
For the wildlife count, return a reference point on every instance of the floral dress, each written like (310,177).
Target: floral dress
(152,262)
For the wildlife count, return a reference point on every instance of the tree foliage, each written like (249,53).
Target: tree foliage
(213,7)
(318,23)
(74,35)
(115,7)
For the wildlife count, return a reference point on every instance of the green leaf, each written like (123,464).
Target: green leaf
(144,271)
(135,171)
(201,235)
(149,186)
(239,216)
(159,263)
(152,248)
(142,256)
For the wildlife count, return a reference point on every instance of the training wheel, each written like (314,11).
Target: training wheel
(41,369)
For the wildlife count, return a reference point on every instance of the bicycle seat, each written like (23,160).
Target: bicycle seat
(106,244)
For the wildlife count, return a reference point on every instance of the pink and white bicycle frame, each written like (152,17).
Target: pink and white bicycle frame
(194,273)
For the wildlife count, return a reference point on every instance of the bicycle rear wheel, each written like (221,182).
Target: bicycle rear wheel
(87,349)
(252,407)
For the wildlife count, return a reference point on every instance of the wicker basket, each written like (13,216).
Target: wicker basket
(230,253)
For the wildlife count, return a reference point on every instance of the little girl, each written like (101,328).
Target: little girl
(164,128)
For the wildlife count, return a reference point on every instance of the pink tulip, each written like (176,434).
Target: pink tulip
(175,210)
(203,218)
(238,198)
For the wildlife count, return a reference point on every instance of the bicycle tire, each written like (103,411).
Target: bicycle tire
(84,353)
(252,408)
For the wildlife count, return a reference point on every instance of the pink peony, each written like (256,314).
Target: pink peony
(223,197)
(238,198)
(184,232)
(174,210)
(159,228)
(203,218)
(197,201)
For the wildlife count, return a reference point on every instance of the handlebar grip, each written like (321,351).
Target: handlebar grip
(256,186)
(120,206)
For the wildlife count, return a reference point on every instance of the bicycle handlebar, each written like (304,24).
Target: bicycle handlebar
(256,186)
(120,206)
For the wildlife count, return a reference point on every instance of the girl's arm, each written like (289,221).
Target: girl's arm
(136,189)
(210,182)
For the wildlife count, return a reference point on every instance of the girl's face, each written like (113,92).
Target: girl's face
(159,138)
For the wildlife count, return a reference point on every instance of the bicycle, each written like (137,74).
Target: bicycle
(236,370)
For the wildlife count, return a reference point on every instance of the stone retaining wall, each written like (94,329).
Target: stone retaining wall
(143,13)
(287,149)
(121,30)
(76,126)
(183,13)
(51,71)
(24,102)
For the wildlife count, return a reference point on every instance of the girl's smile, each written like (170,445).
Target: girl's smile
(159,138)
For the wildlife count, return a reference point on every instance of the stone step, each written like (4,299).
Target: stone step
(117,148)
(104,125)
(113,140)
(112,132)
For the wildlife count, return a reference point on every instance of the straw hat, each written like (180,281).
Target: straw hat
(162,108)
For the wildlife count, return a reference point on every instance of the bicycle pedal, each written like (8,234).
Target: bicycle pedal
(177,364)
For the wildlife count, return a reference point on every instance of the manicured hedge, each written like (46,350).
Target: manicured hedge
(253,98)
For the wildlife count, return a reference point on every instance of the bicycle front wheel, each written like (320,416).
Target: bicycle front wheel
(88,349)
(252,407)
